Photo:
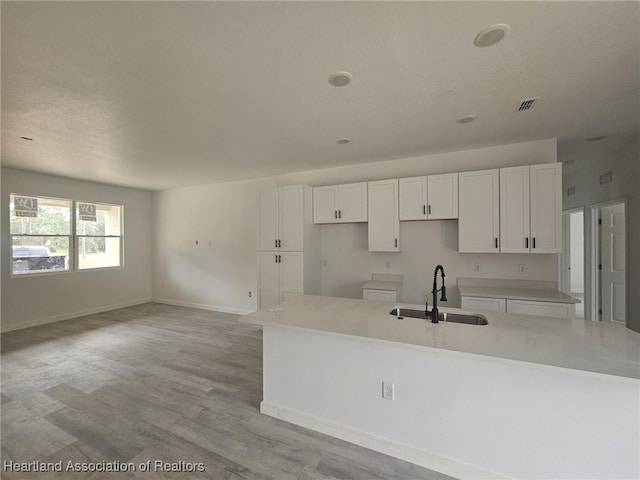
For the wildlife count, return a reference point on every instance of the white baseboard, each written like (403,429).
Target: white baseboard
(202,306)
(8,327)
(379,444)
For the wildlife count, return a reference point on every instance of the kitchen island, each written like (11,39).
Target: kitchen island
(522,397)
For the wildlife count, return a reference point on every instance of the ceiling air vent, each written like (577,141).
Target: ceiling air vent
(526,104)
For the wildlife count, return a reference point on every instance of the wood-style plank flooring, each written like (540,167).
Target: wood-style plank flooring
(161,383)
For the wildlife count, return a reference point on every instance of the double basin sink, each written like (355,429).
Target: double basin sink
(469,319)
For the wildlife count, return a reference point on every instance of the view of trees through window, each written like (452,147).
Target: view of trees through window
(42,237)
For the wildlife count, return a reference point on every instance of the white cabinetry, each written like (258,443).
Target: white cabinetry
(340,203)
(522,307)
(531,209)
(543,309)
(281,218)
(384,224)
(482,303)
(280,277)
(429,197)
(479,219)
(288,250)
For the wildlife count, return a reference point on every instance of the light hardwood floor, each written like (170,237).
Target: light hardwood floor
(161,383)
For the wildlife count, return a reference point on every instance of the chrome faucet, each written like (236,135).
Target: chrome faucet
(434,292)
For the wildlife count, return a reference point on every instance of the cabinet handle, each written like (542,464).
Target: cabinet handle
(396,243)
(339,213)
(424,210)
(496,242)
(526,242)
(276,243)
(279,243)
(534,242)
(279,258)
(276,257)
(429,210)
(335,212)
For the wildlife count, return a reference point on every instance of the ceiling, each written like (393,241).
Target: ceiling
(158,95)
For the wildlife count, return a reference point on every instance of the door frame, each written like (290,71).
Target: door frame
(566,252)
(593,259)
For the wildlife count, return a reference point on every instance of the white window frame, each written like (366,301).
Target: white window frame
(77,237)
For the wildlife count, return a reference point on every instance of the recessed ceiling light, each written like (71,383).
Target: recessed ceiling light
(595,139)
(343,140)
(340,79)
(491,35)
(466,119)
(27,138)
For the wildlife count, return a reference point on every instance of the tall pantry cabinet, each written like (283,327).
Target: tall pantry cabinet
(287,246)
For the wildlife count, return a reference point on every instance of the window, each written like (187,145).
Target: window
(40,231)
(47,237)
(98,231)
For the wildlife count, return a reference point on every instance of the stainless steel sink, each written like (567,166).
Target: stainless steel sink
(469,319)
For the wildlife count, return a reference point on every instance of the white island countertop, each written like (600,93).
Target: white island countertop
(537,291)
(598,347)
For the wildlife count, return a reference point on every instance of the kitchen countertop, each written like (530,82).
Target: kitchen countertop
(381,285)
(513,290)
(598,347)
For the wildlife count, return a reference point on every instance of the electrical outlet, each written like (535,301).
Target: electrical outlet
(476,267)
(387,390)
(522,268)
(388,265)
(250,294)
(324,262)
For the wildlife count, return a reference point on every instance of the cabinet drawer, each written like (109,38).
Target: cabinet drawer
(384,295)
(482,303)
(543,309)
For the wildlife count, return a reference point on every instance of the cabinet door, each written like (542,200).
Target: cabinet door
(543,309)
(546,208)
(384,223)
(268,219)
(268,280)
(291,218)
(352,202)
(482,303)
(413,198)
(442,196)
(291,274)
(514,210)
(478,226)
(325,209)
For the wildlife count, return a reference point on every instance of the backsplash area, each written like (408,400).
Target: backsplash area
(347,264)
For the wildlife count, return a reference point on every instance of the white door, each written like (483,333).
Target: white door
(479,222)
(613,259)
(291,274)
(352,202)
(413,198)
(268,280)
(514,210)
(291,218)
(442,195)
(546,208)
(324,205)
(268,219)
(384,225)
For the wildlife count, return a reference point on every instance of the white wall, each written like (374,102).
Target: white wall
(221,275)
(220,271)
(624,162)
(30,300)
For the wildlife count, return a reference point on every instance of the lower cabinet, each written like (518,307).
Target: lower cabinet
(280,277)
(491,304)
(523,307)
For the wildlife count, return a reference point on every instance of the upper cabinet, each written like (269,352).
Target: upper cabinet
(429,198)
(281,218)
(479,210)
(340,203)
(531,209)
(384,223)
